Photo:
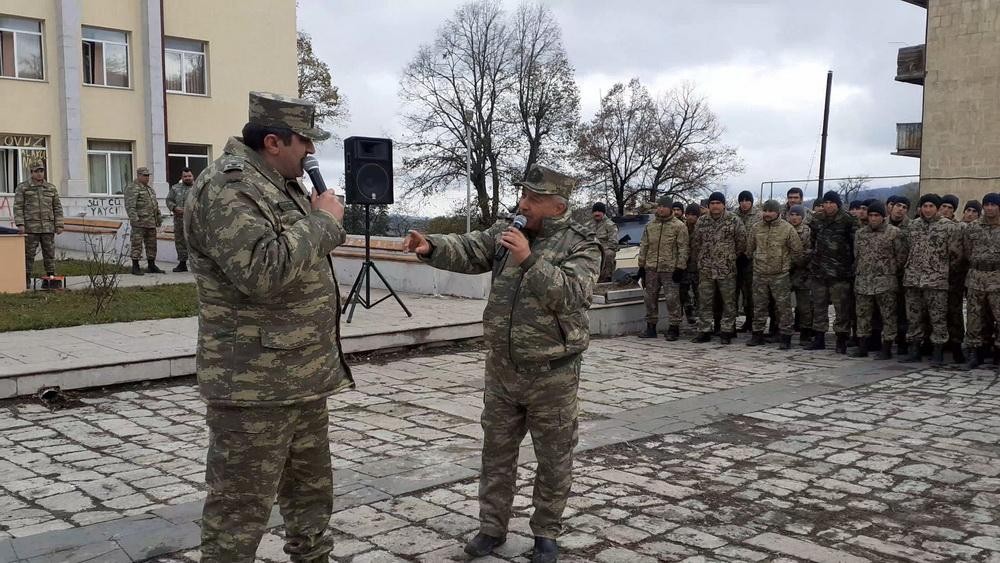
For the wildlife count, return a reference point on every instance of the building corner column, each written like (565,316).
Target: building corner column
(74,148)
(155,101)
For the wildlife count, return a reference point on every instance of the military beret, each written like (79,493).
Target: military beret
(973,204)
(664,201)
(142,171)
(745,195)
(950,199)
(877,207)
(903,200)
(772,205)
(991,198)
(692,209)
(833,197)
(797,210)
(599,206)
(717,196)
(930,198)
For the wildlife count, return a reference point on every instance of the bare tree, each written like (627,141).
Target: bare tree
(316,85)
(851,187)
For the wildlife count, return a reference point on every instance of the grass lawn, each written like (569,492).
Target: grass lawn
(45,309)
(69,267)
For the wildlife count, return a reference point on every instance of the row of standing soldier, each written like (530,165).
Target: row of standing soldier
(890,279)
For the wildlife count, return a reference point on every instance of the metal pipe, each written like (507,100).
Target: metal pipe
(826,125)
(771,183)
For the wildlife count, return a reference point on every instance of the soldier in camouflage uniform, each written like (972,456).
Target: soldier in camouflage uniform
(607,237)
(269,350)
(972,211)
(898,208)
(831,270)
(879,253)
(663,256)
(536,328)
(689,281)
(749,216)
(38,214)
(956,285)
(934,248)
(175,204)
(719,238)
(981,245)
(144,218)
(774,246)
(799,275)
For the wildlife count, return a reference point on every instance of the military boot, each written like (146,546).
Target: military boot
(913,355)
(673,332)
(956,353)
(786,342)
(902,347)
(689,314)
(862,351)
(650,331)
(483,544)
(702,338)
(182,266)
(975,359)
(136,270)
(756,338)
(717,331)
(546,550)
(937,355)
(152,269)
(841,345)
(726,337)
(886,352)
(818,342)
(805,337)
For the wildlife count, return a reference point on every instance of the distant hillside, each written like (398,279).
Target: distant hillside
(911,190)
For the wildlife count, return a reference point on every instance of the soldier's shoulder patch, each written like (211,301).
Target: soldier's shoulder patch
(232,165)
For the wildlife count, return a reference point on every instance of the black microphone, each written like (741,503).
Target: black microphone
(518,223)
(311,166)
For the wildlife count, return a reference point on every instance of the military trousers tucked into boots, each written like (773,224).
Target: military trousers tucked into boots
(143,237)
(255,453)
(981,305)
(779,288)
(707,296)
(655,282)
(867,306)
(927,303)
(180,242)
(48,243)
(541,400)
(825,292)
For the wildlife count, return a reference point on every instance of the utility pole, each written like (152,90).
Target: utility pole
(826,125)
(468,171)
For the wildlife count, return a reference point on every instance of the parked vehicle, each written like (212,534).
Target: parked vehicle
(630,228)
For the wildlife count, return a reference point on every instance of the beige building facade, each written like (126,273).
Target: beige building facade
(957,140)
(97,88)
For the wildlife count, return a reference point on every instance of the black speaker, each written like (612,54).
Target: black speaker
(368,170)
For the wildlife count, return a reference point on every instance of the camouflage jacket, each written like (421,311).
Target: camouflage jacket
(750,218)
(934,246)
(37,208)
(141,205)
(692,265)
(537,311)
(981,245)
(176,196)
(607,234)
(833,246)
(903,224)
(800,269)
(664,246)
(269,305)
(879,254)
(774,247)
(717,243)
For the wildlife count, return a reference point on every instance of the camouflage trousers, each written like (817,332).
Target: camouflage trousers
(902,323)
(956,320)
(870,307)
(48,244)
(984,308)
(706,300)
(803,307)
(654,282)
(689,289)
(180,243)
(744,289)
(255,453)
(143,237)
(779,288)
(823,293)
(921,305)
(540,400)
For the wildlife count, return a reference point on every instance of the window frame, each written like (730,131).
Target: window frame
(107,164)
(41,41)
(183,56)
(19,157)
(187,156)
(104,54)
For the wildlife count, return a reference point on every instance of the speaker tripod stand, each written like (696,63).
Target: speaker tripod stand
(354,298)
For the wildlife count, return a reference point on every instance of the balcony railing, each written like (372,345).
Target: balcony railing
(908,139)
(910,65)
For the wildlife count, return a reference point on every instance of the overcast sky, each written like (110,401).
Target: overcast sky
(761,64)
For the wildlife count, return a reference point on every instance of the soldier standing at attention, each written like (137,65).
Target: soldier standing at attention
(607,237)
(972,211)
(175,204)
(268,335)
(934,248)
(792,198)
(879,253)
(678,209)
(981,242)
(144,218)
(773,246)
(663,256)
(799,275)
(956,285)
(831,270)
(719,238)
(38,214)
(689,281)
(749,216)
(536,328)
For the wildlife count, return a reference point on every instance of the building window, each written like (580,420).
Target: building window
(21,48)
(17,154)
(185,66)
(105,57)
(110,164)
(180,157)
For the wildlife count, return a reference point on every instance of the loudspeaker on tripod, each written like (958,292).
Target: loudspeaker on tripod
(368,171)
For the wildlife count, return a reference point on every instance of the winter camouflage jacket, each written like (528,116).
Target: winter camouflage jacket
(750,218)
(141,205)
(934,246)
(607,234)
(269,305)
(833,246)
(717,243)
(37,208)
(879,254)
(774,246)
(981,245)
(176,196)
(537,311)
(692,264)
(800,269)
(664,246)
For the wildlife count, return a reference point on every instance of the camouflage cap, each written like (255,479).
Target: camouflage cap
(275,110)
(546,181)
(37,166)
(142,171)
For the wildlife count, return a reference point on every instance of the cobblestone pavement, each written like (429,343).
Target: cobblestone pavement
(901,470)
(140,449)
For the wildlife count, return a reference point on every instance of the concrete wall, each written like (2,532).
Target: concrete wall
(962,98)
